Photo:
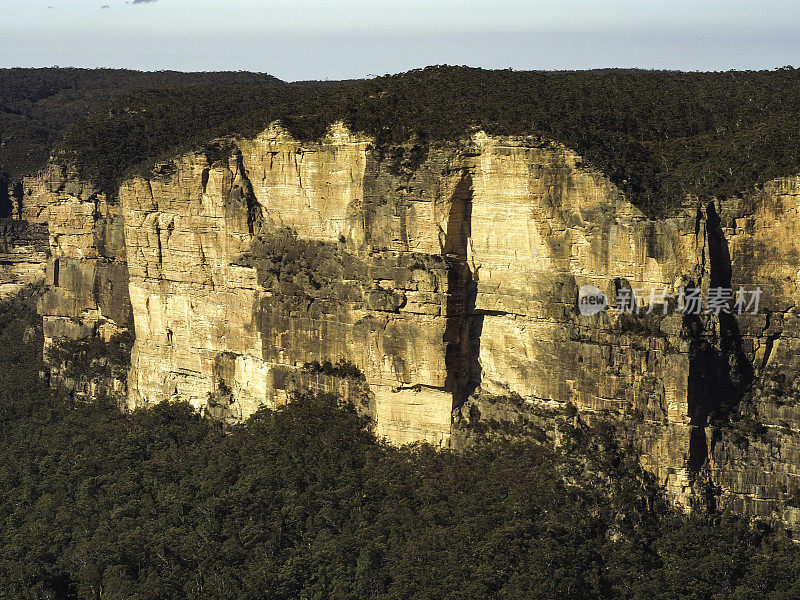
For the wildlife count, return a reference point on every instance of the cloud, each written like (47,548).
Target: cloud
(105,6)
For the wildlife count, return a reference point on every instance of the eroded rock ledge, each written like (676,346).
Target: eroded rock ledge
(435,283)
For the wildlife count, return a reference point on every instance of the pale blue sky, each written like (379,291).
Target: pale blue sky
(305,39)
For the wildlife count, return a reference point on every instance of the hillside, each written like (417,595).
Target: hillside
(305,503)
(37,105)
(657,134)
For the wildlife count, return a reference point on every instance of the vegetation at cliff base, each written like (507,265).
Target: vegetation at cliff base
(305,503)
(659,135)
(94,357)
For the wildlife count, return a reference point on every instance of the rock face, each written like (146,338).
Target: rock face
(23,255)
(86,293)
(755,465)
(23,238)
(371,287)
(419,284)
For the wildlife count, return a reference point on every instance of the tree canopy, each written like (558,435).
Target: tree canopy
(37,105)
(659,135)
(304,502)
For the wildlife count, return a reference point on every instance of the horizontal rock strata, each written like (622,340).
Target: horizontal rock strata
(419,281)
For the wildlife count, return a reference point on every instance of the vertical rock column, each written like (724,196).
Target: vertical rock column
(86,292)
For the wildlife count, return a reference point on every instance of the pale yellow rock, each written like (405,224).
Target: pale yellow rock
(413,415)
(465,279)
(193,304)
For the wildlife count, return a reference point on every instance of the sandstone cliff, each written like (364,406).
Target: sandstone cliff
(84,270)
(421,284)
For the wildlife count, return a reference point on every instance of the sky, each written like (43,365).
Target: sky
(341,39)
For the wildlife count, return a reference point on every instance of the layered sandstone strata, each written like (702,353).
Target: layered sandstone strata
(431,279)
(23,255)
(86,275)
(378,293)
(23,232)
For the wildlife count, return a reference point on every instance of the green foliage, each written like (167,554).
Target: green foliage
(512,398)
(793,498)
(297,266)
(773,385)
(342,368)
(745,429)
(305,503)
(37,105)
(129,134)
(92,357)
(659,135)
(20,360)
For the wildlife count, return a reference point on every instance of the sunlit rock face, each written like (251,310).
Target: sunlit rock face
(417,282)
(23,229)
(379,294)
(23,255)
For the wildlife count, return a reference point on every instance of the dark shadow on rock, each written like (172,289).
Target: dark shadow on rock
(464,324)
(718,252)
(6,205)
(738,368)
(719,370)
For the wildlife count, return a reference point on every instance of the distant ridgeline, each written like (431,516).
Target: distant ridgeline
(658,135)
(37,105)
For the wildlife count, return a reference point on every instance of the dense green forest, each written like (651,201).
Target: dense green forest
(658,134)
(37,105)
(305,503)
(134,131)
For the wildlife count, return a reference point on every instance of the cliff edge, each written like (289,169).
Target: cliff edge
(436,287)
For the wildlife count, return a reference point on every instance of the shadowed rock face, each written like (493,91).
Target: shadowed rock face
(83,266)
(23,242)
(435,287)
